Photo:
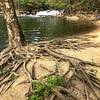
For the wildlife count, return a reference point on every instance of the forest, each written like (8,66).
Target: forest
(70,6)
(49,49)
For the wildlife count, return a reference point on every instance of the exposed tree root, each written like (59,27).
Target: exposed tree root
(12,60)
(52,97)
(63,90)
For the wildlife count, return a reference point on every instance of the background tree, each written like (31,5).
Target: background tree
(70,6)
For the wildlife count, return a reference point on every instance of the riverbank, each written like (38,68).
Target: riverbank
(90,43)
(85,47)
(82,17)
(60,14)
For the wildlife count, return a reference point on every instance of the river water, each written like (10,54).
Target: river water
(44,28)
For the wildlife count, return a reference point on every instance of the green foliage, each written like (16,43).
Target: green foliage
(25,2)
(82,5)
(45,89)
(36,97)
(25,5)
(70,6)
(51,82)
(55,81)
(39,88)
(57,4)
(40,3)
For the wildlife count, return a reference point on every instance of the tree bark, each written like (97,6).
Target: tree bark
(15,34)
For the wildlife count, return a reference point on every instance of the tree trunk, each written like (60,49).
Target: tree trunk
(15,34)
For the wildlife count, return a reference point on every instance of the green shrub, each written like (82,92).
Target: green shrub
(55,81)
(41,90)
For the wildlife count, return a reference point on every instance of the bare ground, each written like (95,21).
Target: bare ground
(85,47)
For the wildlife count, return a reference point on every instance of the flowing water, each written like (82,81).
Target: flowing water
(44,28)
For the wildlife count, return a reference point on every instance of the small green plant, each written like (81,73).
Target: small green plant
(55,81)
(36,97)
(38,91)
(41,90)
(38,87)
(51,82)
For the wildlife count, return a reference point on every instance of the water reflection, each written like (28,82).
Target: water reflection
(45,28)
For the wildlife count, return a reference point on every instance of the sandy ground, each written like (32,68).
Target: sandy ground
(91,49)
(89,52)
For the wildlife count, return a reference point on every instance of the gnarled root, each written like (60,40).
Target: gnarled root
(11,61)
